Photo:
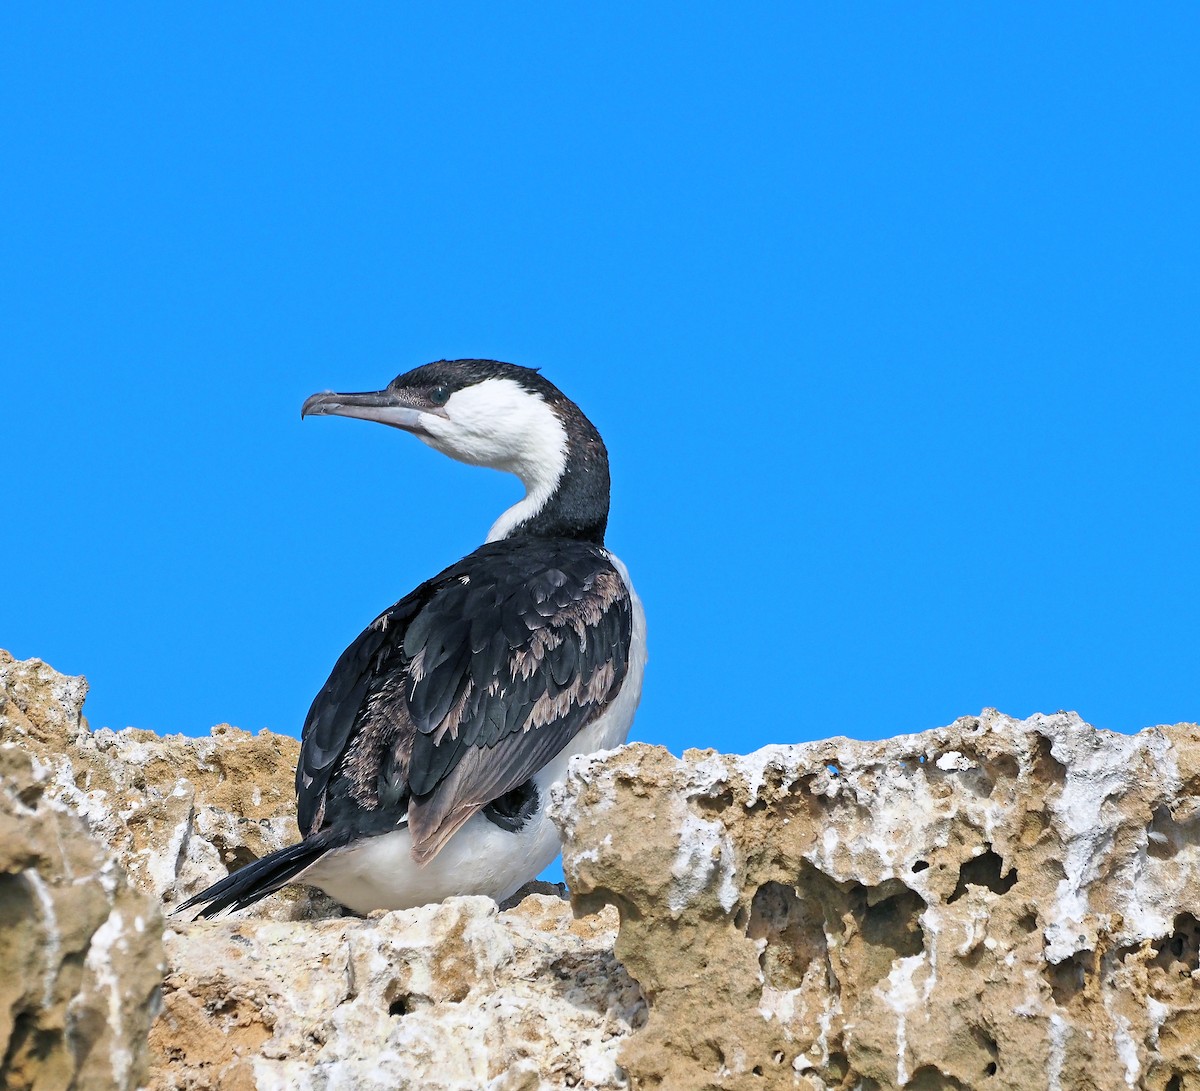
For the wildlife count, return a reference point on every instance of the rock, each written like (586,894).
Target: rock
(996,904)
(81,951)
(180,812)
(993,905)
(453,996)
(291,994)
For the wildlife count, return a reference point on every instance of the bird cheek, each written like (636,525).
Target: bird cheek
(439,433)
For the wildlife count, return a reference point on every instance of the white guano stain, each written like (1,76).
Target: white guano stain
(162,863)
(825,1023)
(53,943)
(1060,1031)
(703,848)
(100,960)
(753,767)
(1126,1047)
(592,854)
(901,996)
(1099,766)
(931,926)
(1157,1013)
(1032,1006)
(954,762)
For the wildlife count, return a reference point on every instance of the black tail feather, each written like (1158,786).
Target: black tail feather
(254,881)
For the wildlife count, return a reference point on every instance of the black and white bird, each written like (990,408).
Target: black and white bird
(426,759)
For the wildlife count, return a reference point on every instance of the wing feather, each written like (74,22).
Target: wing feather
(464,689)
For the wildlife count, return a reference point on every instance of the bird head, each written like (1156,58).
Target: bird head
(488,413)
(482,412)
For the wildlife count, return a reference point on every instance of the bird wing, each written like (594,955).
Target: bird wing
(465,688)
(348,715)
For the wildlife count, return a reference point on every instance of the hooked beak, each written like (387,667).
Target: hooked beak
(384,406)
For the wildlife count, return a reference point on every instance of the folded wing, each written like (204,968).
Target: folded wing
(464,689)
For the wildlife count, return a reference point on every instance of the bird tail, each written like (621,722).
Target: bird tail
(254,881)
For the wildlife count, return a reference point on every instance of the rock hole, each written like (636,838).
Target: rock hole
(834,771)
(777,1056)
(989,1047)
(1179,953)
(70,974)
(597,899)
(1005,767)
(1166,837)
(234,857)
(30,794)
(920,865)
(239,858)
(1047,769)
(794,931)
(881,923)
(23,1043)
(986,871)
(401,1006)
(1069,977)
(838,1066)
(1175,1083)
(714,804)
(892,922)
(974,956)
(756,1070)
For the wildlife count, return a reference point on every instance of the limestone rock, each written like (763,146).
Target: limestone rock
(451,997)
(180,812)
(80,952)
(995,904)
(456,997)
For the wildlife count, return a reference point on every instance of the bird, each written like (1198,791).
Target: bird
(426,759)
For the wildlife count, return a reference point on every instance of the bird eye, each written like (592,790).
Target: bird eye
(439,395)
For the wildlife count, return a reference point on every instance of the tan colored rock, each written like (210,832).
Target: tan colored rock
(459,996)
(996,904)
(180,812)
(992,905)
(80,951)
(451,997)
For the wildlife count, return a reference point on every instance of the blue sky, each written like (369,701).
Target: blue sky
(887,313)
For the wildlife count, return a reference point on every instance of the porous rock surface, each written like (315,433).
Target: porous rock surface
(179,812)
(292,993)
(995,904)
(452,996)
(80,950)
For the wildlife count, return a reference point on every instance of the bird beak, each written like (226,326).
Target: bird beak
(383,406)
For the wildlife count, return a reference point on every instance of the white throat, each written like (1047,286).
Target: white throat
(498,423)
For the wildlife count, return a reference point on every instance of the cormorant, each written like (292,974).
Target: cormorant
(427,757)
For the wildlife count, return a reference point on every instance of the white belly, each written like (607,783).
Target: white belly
(481,858)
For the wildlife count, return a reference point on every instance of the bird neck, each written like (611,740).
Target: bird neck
(564,499)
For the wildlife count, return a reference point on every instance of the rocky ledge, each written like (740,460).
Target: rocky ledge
(995,904)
